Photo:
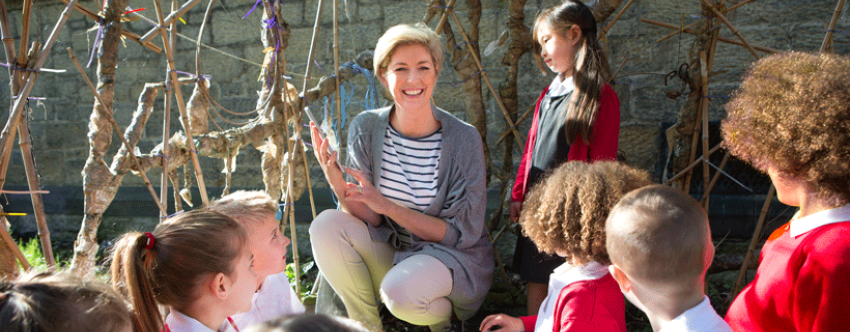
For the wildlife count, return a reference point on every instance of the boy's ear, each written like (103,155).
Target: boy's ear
(621,278)
(219,285)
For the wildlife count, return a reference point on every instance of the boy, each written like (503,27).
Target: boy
(791,119)
(660,246)
(255,210)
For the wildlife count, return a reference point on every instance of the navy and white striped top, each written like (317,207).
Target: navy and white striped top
(409,171)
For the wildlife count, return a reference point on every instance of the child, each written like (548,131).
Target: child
(198,263)
(566,215)
(660,247)
(309,323)
(255,211)
(576,118)
(791,119)
(48,301)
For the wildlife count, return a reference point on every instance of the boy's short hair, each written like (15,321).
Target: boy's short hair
(246,207)
(566,211)
(308,323)
(661,235)
(60,301)
(792,113)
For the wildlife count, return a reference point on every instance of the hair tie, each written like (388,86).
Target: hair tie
(150,241)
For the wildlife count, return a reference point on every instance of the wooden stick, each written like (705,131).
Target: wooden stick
(725,40)
(827,41)
(336,65)
(167,21)
(689,26)
(37,202)
(443,18)
(8,38)
(704,75)
(614,20)
(309,186)
(111,119)
(691,166)
(742,273)
(310,55)
(495,93)
(731,27)
(21,60)
(9,131)
(518,122)
(716,177)
(125,33)
(190,143)
(11,243)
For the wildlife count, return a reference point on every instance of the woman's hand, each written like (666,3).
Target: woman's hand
(502,323)
(327,161)
(516,208)
(365,193)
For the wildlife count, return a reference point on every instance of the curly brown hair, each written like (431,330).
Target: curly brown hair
(792,114)
(565,213)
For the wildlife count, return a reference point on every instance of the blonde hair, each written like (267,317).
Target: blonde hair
(566,212)
(186,248)
(50,301)
(791,113)
(591,67)
(407,34)
(247,207)
(660,235)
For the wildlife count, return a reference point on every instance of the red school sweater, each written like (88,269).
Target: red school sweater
(603,146)
(802,284)
(588,305)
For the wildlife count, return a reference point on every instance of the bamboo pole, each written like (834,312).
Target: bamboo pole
(310,56)
(691,166)
(731,27)
(111,119)
(8,39)
(151,34)
(689,26)
(9,131)
(518,122)
(742,273)
(336,63)
(722,39)
(11,243)
(617,17)
(21,60)
(125,33)
(487,80)
(716,177)
(37,201)
(704,104)
(190,143)
(827,41)
(444,18)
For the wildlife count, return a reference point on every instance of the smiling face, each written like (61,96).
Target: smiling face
(410,76)
(557,49)
(268,246)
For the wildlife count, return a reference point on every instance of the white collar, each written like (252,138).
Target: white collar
(699,318)
(561,277)
(805,224)
(559,88)
(178,322)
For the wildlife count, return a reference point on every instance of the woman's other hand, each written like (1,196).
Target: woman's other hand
(502,323)
(516,208)
(365,192)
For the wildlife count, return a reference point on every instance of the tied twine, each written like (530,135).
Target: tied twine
(150,241)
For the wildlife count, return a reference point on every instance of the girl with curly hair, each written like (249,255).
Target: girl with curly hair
(791,119)
(565,215)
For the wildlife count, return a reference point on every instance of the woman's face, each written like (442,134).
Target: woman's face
(411,76)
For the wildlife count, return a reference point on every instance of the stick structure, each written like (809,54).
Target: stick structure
(742,273)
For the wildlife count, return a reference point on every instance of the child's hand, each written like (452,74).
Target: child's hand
(516,208)
(502,323)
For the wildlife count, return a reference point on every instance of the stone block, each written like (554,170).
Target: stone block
(299,40)
(356,38)
(370,12)
(66,135)
(640,144)
(228,27)
(293,13)
(310,7)
(403,12)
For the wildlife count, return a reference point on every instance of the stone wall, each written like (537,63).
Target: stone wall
(59,123)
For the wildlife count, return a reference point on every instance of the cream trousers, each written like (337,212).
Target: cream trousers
(360,270)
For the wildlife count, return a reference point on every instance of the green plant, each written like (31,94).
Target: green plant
(308,278)
(32,252)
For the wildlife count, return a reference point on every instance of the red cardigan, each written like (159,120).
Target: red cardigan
(802,284)
(588,305)
(603,146)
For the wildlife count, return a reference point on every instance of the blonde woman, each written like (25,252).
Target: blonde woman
(411,226)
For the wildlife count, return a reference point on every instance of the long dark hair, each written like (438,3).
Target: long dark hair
(591,67)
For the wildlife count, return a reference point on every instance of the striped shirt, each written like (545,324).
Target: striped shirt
(409,171)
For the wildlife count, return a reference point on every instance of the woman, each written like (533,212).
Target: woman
(412,230)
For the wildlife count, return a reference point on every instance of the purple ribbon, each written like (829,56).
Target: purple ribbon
(252,8)
(98,38)
(468,78)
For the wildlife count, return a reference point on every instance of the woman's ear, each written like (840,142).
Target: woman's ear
(382,76)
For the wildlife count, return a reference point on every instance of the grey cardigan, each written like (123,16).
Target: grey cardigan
(461,201)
